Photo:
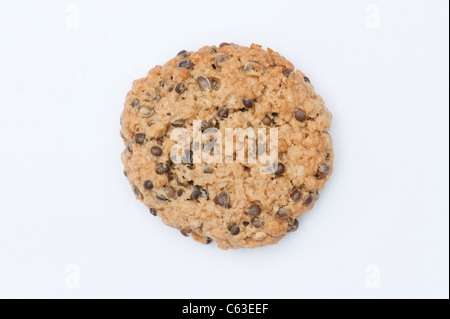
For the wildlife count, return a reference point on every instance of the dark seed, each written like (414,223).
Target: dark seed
(199,192)
(296,195)
(248,102)
(280,169)
(159,140)
(208,169)
(300,115)
(254,210)
(327,155)
(180,192)
(186,232)
(139,138)
(213,50)
(178,123)
(204,193)
(245,223)
(203,83)
(293,227)
(223,113)
(308,200)
(125,173)
(135,103)
(161,197)
(307,79)
(148,185)
(196,193)
(283,213)
(234,229)
(162,168)
(185,64)
(153,211)
(208,240)
(170,191)
(137,192)
(156,150)
(215,83)
(180,88)
(221,57)
(267,121)
(205,125)
(287,72)
(324,168)
(145,112)
(222,199)
(183,53)
(223,44)
(323,171)
(257,223)
(249,67)
(187,157)
(130,147)
(171,176)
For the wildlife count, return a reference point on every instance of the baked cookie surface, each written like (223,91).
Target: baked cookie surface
(229,86)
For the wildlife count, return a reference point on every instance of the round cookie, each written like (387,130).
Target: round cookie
(229,86)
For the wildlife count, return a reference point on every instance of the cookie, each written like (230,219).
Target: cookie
(236,204)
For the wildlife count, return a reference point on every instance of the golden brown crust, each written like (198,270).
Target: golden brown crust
(234,72)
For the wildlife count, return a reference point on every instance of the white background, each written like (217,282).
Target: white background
(64,200)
